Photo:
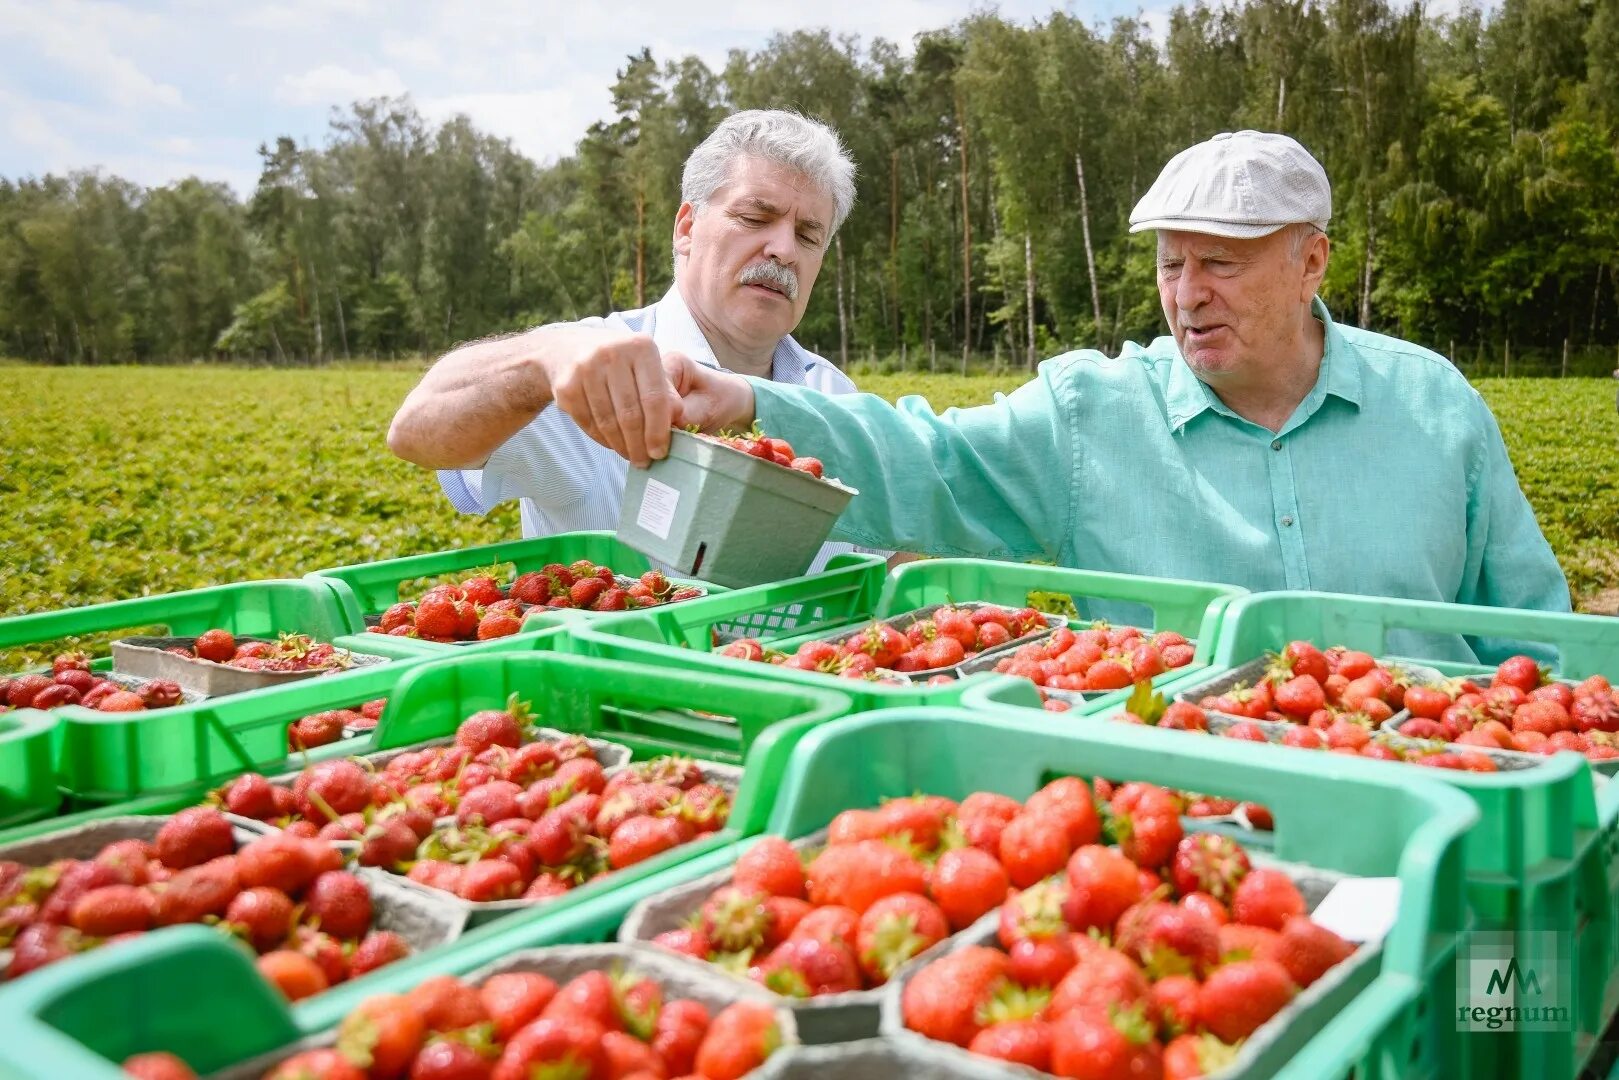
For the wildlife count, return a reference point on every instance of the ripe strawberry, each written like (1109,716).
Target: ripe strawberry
(323,1064)
(279,861)
(1238,997)
(445,1003)
(192,837)
(677,1033)
(81,680)
(1266,898)
(158,1065)
(1300,696)
(1521,672)
(514,999)
(738,1041)
(1173,1001)
(1146,823)
(830,923)
(1305,949)
(1094,1043)
(642,837)
(498,625)
(943,999)
(1209,863)
(1102,885)
(1069,798)
(113,909)
(442,1059)
(858,875)
(1042,961)
(735,918)
(54,696)
(1034,846)
(329,789)
(584,774)
(494,727)
(893,930)
(1167,939)
(382,1035)
(1105,978)
(378,948)
(850,826)
(809,967)
(1023,1042)
(340,904)
(218,646)
(293,973)
(261,915)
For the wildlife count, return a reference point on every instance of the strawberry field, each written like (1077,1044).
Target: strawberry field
(127,481)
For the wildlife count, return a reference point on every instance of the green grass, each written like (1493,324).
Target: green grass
(129,481)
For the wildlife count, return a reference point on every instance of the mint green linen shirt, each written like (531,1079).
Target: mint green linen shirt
(1390,478)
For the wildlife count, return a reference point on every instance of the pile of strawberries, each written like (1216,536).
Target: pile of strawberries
(948,637)
(1520,709)
(1156,957)
(889,884)
(521,1024)
(322,728)
(755,443)
(478,609)
(532,819)
(71,682)
(1098,658)
(288,897)
(289,652)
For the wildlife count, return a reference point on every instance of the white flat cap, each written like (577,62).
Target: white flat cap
(1240,184)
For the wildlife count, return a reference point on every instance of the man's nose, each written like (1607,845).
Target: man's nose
(1191,288)
(781,242)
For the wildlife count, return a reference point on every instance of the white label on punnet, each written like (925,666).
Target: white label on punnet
(1360,909)
(658,509)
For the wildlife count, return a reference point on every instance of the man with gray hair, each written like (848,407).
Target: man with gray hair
(761,198)
(1260,444)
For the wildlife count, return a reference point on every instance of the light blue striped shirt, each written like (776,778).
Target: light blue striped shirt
(567,481)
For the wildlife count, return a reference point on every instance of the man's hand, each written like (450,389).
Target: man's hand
(615,388)
(708,399)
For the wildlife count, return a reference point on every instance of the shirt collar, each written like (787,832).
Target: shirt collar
(1187,396)
(675,328)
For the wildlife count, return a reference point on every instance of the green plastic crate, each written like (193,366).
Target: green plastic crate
(1411,830)
(1545,856)
(80,1020)
(27,782)
(853,590)
(372,588)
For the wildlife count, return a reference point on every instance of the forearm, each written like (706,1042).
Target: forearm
(475,398)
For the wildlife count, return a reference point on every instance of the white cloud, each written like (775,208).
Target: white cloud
(334,84)
(75,36)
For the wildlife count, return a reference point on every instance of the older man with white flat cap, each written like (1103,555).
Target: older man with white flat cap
(1261,444)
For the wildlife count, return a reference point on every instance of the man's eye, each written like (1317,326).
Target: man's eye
(1169,268)
(747,220)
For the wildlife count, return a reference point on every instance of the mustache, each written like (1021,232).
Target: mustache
(783,278)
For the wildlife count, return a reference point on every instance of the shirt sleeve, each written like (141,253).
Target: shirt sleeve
(993,481)
(1509,562)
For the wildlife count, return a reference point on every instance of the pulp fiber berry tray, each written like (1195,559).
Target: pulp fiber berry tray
(149,658)
(981,661)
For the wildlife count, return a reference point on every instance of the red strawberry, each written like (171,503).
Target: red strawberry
(494,727)
(323,1064)
(1266,898)
(642,837)
(850,826)
(687,940)
(830,923)
(1102,885)
(158,1065)
(295,975)
(262,915)
(858,875)
(1174,1003)
(894,929)
(1209,863)
(1300,696)
(279,861)
(329,789)
(1167,939)
(1069,798)
(340,903)
(734,918)
(1023,1042)
(1305,949)
(1240,996)
(1522,672)
(808,967)
(1146,824)
(1042,961)
(1104,978)
(1034,846)
(113,909)
(738,1041)
(1094,1043)
(514,999)
(770,866)
(967,883)
(442,1059)
(678,1032)
(194,836)
(382,1035)
(943,999)
(488,880)
(215,645)
(549,1046)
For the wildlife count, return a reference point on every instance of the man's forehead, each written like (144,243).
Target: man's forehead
(1205,245)
(769,185)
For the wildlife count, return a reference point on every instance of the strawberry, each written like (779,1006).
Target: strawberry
(55,696)
(943,999)
(584,774)
(1042,961)
(554,1047)
(735,918)
(442,1059)
(498,625)
(76,878)
(770,866)
(515,998)
(678,1032)
(1239,996)
(1167,939)
(328,789)
(40,944)
(1173,1001)
(195,893)
(1209,863)
(215,645)
(1034,846)
(738,1041)
(1266,898)
(966,884)
(121,701)
(1105,978)
(158,1065)
(809,967)
(1102,885)
(1146,823)
(340,904)
(279,861)
(642,837)
(1069,798)
(324,1064)
(113,909)
(1094,1043)
(192,837)
(858,875)
(1305,949)
(1188,1057)
(893,930)
(1301,658)
(1300,696)
(830,923)
(494,727)
(916,820)
(293,973)
(850,826)
(1521,672)
(261,915)
(382,1035)
(587,591)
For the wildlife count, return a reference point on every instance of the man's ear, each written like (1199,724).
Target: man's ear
(684,218)
(1316,253)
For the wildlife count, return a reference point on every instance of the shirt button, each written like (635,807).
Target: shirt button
(1277,445)
(1288,520)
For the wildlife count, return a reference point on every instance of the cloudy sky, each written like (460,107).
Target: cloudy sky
(157,90)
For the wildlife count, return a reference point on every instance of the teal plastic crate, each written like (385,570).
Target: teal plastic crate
(853,590)
(366,589)
(1545,855)
(27,781)
(1409,829)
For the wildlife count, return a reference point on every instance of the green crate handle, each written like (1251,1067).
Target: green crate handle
(288,602)
(1192,608)
(140,984)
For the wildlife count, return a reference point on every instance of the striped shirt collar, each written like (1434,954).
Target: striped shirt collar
(675,328)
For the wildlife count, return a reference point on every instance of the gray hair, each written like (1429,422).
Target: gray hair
(1299,236)
(787,138)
